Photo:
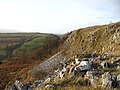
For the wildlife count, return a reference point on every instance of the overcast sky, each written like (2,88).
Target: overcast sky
(56,16)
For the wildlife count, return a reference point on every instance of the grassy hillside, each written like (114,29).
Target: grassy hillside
(100,39)
(34,48)
(33,44)
(11,41)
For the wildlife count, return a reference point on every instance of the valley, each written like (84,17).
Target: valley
(83,59)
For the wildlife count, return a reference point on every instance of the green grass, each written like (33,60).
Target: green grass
(33,44)
(28,41)
(36,42)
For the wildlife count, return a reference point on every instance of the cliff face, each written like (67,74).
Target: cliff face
(103,39)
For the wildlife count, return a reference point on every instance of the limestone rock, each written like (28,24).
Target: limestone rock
(105,64)
(49,87)
(38,83)
(77,61)
(118,81)
(18,84)
(48,80)
(91,76)
(11,87)
(84,65)
(106,80)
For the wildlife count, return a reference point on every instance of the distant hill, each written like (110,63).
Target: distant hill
(11,41)
(8,31)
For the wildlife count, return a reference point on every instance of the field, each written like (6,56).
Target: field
(11,41)
(32,44)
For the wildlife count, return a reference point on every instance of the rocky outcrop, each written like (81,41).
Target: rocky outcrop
(84,70)
(100,39)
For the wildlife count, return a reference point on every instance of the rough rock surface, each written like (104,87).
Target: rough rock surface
(106,80)
(48,66)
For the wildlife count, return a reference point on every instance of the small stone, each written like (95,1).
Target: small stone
(50,87)
(106,80)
